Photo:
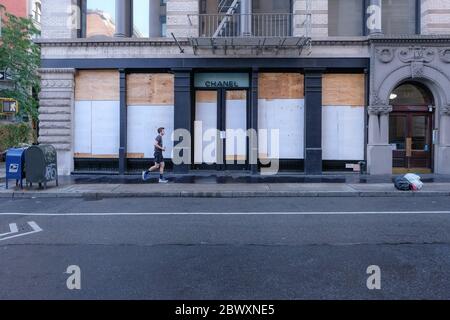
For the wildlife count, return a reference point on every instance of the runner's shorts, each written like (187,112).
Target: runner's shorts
(158,158)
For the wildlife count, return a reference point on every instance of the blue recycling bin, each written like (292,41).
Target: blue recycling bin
(15,165)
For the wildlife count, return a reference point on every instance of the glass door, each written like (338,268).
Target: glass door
(410,137)
(420,141)
(207,151)
(220,129)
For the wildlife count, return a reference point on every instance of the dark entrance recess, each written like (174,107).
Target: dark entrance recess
(411,129)
(222,109)
(410,132)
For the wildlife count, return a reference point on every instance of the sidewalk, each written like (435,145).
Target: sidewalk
(215,186)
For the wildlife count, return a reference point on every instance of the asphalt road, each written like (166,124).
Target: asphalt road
(256,248)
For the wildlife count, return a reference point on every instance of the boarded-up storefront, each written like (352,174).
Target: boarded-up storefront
(150,105)
(343,117)
(281,107)
(96,114)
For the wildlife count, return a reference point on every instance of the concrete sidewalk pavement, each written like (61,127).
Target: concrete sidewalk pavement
(226,185)
(237,190)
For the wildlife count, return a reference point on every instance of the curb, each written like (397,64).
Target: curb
(222,194)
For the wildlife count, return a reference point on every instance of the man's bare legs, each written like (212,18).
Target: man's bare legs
(161,167)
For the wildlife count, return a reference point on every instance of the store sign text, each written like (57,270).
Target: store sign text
(221,84)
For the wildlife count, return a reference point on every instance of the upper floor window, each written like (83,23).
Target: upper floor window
(345,17)
(100,18)
(149,18)
(272,6)
(36,14)
(399,17)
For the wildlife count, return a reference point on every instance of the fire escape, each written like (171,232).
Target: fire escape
(235,28)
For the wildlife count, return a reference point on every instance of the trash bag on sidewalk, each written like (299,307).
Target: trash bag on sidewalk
(402,184)
(414,181)
(409,181)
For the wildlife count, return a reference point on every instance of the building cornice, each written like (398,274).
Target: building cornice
(324,41)
(409,39)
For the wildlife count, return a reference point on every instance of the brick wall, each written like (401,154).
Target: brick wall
(319,23)
(18,8)
(435,16)
(177,18)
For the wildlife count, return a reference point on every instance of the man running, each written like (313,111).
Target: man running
(159,159)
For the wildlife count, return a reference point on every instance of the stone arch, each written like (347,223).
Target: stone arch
(438,83)
(432,78)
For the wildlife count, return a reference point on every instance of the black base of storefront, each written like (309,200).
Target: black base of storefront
(136,166)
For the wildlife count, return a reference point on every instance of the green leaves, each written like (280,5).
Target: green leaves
(20,57)
(12,135)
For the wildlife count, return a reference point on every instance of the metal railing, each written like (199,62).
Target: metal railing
(238,25)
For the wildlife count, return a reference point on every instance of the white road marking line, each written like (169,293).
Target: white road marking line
(13,229)
(218,213)
(33,226)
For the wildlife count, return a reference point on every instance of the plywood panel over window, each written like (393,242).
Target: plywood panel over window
(343,90)
(150,89)
(343,117)
(97,85)
(150,105)
(96,114)
(281,86)
(281,108)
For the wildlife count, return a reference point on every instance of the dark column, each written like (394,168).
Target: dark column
(313,121)
(182,109)
(253,147)
(123,123)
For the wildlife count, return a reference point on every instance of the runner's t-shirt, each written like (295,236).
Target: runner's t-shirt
(160,143)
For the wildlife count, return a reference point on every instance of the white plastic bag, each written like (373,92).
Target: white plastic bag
(414,180)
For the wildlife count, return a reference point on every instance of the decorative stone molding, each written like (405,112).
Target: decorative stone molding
(385,55)
(380,109)
(416,54)
(445,110)
(417,70)
(444,54)
(56,70)
(57,84)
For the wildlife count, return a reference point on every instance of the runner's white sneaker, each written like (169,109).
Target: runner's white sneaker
(163,181)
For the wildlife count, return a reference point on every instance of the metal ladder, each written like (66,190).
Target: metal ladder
(231,7)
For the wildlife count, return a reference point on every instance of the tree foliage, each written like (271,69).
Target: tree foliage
(20,58)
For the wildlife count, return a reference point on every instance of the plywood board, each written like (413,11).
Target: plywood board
(105,127)
(135,155)
(286,116)
(83,127)
(206,97)
(98,85)
(205,133)
(79,155)
(143,124)
(343,90)
(281,86)
(236,95)
(343,133)
(95,156)
(150,89)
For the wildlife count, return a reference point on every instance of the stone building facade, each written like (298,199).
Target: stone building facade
(333,95)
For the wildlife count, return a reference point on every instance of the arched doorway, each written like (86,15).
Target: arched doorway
(411,128)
